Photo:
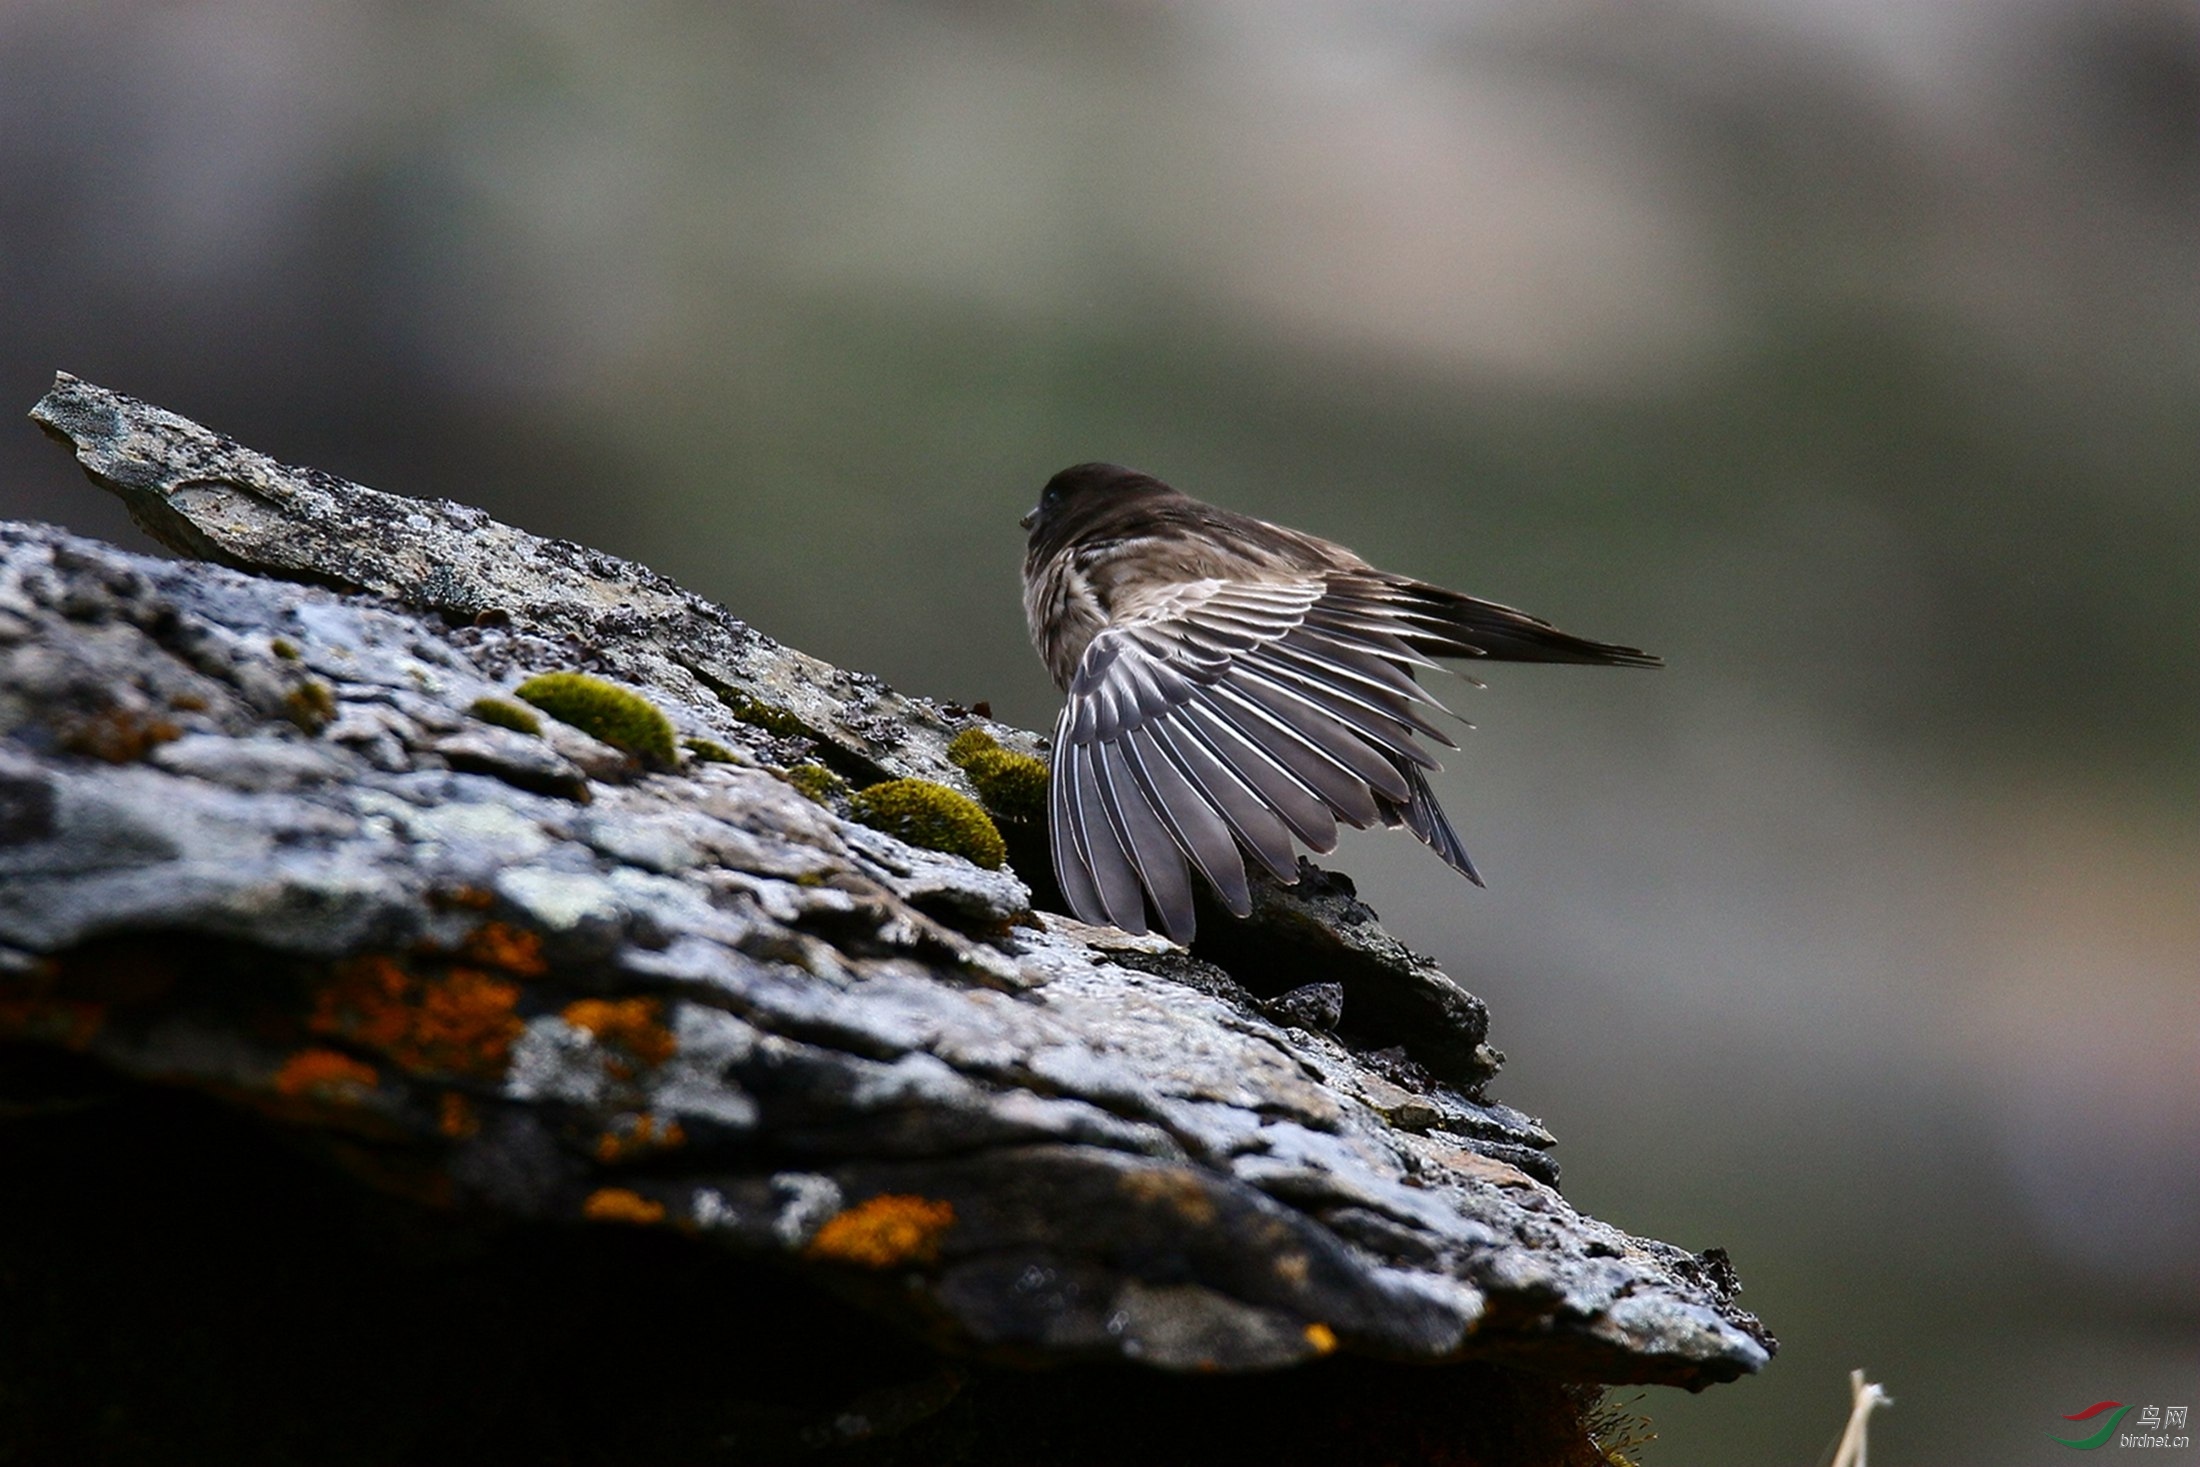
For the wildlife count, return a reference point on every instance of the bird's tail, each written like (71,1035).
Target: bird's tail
(1449,624)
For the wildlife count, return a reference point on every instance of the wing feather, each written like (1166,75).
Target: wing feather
(1219,719)
(1099,846)
(1303,810)
(1252,820)
(1355,666)
(1339,767)
(1153,851)
(1425,818)
(1071,851)
(1197,827)
(1370,720)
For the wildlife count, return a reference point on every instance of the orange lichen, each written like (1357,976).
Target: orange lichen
(461,1022)
(455,1116)
(515,950)
(1179,1191)
(617,1204)
(884,1231)
(323,1074)
(368,1002)
(118,735)
(629,1025)
(471,898)
(1322,1338)
(638,1136)
(467,1020)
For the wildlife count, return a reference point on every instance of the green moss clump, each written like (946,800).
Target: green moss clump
(624,720)
(284,648)
(968,745)
(934,816)
(773,720)
(815,781)
(709,752)
(310,705)
(504,713)
(1013,786)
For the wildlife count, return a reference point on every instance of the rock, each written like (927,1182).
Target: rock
(500,983)
(1314,1006)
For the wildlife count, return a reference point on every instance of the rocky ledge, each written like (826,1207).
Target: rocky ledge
(282,854)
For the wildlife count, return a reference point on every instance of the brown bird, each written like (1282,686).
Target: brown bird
(1233,686)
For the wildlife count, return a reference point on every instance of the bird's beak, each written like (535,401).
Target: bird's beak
(1025,522)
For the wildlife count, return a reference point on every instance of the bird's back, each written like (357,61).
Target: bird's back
(1128,558)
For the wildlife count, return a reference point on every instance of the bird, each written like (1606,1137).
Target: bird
(1232,686)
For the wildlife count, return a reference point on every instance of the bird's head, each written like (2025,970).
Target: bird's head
(1085,495)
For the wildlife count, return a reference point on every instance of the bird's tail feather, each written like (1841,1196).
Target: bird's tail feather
(1450,624)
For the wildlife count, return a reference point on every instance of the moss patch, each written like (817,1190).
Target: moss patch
(1013,786)
(768,717)
(624,720)
(933,816)
(708,752)
(504,713)
(969,743)
(816,781)
(310,705)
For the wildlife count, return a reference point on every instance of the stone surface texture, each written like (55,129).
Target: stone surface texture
(253,844)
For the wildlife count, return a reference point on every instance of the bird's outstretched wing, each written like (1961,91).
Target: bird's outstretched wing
(1234,716)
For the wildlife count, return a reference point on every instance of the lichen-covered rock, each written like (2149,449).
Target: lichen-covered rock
(700,1002)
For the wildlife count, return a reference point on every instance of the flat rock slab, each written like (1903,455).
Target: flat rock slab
(254,843)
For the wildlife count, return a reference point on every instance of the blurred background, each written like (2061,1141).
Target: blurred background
(1846,352)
